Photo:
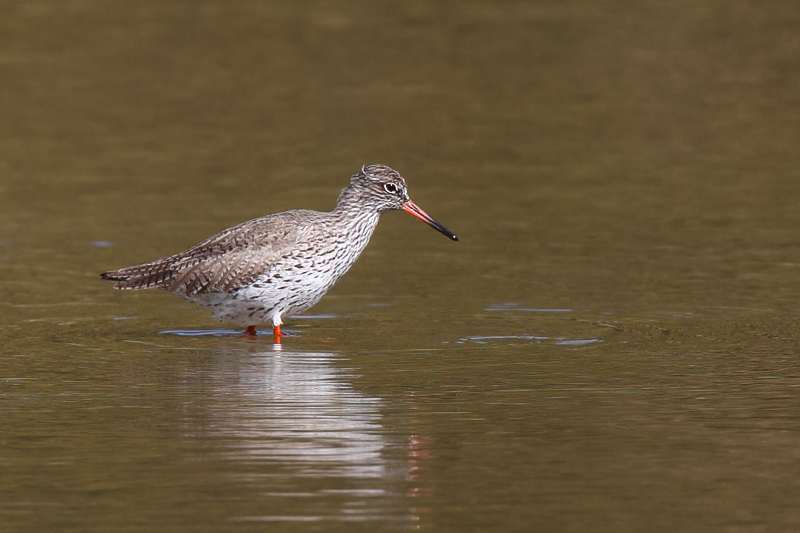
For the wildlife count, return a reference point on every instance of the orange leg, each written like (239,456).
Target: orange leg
(276,334)
(250,331)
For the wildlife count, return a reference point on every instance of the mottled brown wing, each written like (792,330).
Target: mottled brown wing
(226,272)
(224,262)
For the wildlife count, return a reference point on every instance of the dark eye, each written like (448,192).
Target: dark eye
(390,188)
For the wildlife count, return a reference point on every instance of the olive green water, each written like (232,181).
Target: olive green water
(611,346)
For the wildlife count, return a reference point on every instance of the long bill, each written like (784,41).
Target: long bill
(413,209)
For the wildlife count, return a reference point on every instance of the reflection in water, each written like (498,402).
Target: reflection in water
(296,431)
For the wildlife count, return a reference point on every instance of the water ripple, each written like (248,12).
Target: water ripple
(513,306)
(558,341)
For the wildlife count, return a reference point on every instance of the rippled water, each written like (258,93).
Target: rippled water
(611,346)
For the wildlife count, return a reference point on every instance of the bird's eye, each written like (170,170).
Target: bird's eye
(390,188)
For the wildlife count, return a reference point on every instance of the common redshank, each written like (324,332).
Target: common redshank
(276,266)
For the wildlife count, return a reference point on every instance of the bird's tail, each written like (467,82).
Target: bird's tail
(157,274)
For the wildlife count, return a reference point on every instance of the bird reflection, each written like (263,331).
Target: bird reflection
(313,447)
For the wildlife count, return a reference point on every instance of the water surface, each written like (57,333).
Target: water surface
(611,346)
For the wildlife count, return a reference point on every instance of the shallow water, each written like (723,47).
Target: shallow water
(611,346)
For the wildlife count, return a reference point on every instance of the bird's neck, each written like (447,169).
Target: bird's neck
(348,198)
(354,220)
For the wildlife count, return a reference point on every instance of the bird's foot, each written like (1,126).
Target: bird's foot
(251,333)
(277,334)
